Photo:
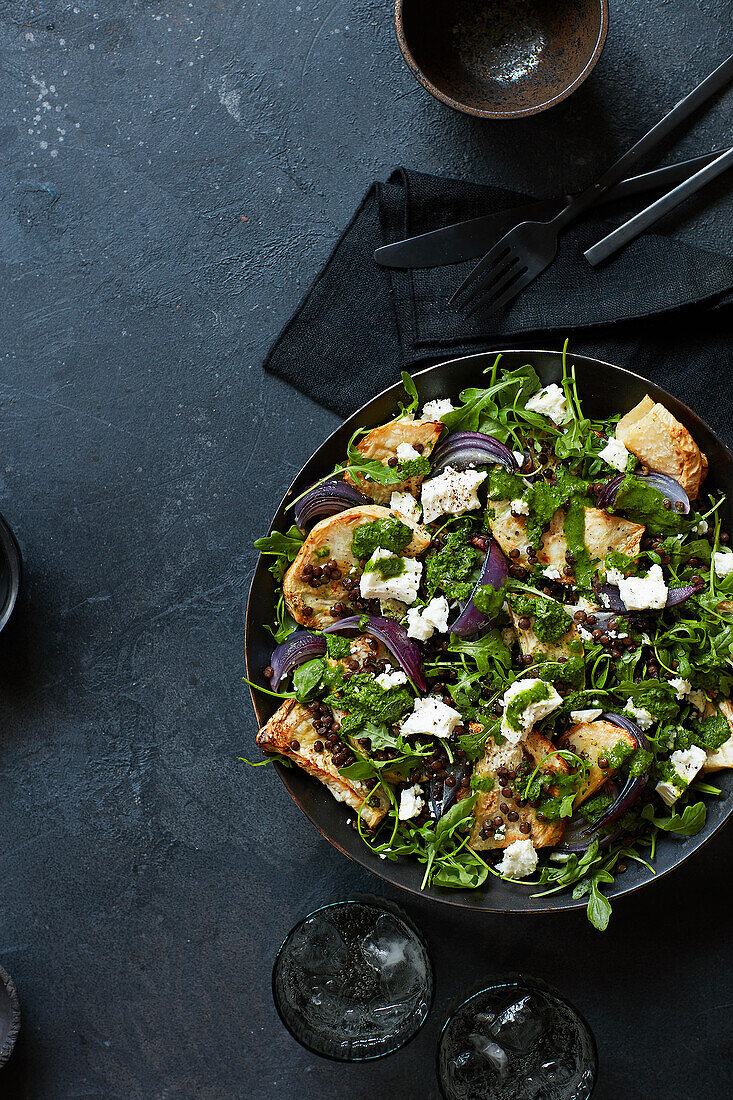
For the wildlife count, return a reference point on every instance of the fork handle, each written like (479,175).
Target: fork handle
(682,110)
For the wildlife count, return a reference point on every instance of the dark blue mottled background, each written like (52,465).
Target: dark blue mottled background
(172,176)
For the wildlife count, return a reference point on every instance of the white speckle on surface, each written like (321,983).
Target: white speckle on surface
(230,98)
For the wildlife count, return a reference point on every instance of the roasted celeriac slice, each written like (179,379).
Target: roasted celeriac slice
(535,750)
(594,741)
(330,540)
(382,443)
(292,725)
(663,444)
(602,533)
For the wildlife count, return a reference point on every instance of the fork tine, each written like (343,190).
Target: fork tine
(498,252)
(491,278)
(490,305)
(492,288)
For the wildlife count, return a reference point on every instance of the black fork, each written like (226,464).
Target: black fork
(527,250)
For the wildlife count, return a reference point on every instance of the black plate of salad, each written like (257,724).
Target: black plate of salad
(489,635)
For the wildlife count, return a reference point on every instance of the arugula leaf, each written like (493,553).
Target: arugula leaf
(286,545)
(452,818)
(307,677)
(283,547)
(491,654)
(411,391)
(468,874)
(312,675)
(688,823)
(599,907)
(284,625)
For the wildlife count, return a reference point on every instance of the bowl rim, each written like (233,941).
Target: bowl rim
(454,898)
(479,112)
(15,1018)
(10,550)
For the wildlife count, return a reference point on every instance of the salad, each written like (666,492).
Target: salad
(503,636)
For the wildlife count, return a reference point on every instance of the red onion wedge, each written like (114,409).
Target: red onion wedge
(393,636)
(666,485)
(679,595)
(675,596)
(579,833)
(494,572)
(327,499)
(459,450)
(578,837)
(442,795)
(298,647)
(634,784)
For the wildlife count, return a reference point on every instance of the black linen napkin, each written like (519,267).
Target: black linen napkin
(660,308)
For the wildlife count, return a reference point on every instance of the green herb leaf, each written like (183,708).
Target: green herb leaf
(688,823)
(599,908)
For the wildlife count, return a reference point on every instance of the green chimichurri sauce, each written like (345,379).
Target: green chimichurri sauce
(387,534)
(503,485)
(574,530)
(450,568)
(386,567)
(645,504)
(551,620)
(534,694)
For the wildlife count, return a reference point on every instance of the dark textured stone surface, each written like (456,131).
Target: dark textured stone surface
(210,154)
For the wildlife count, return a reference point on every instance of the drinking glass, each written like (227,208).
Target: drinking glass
(517,1039)
(353,981)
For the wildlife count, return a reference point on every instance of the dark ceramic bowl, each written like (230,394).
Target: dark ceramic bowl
(11,571)
(604,389)
(501,58)
(9,1016)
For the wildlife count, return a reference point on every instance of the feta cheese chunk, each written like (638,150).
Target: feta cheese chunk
(615,454)
(519,860)
(643,718)
(411,803)
(423,624)
(640,593)
(406,507)
(451,493)
(549,402)
(391,677)
(519,507)
(404,586)
(551,572)
(435,410)
(585,715)
(682,687)
(519,456)
(406,451)
(431,717)
(701,528)
(698,699)
(723,563)
(417,627)
(684,765)
(517,720)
